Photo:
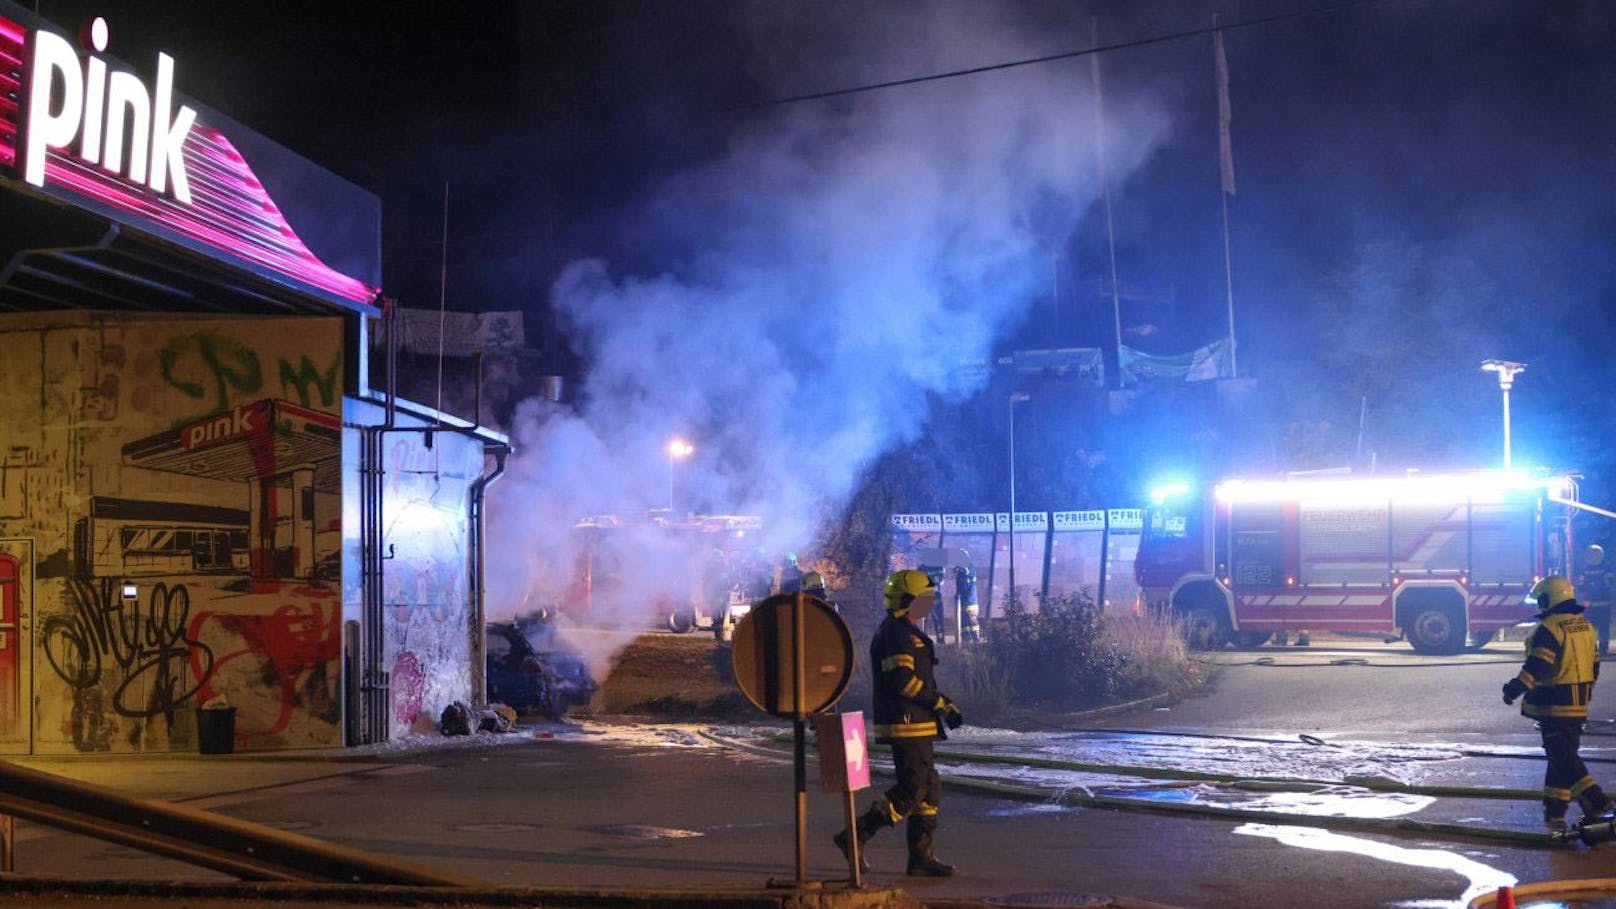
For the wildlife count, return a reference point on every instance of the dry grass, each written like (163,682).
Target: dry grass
(672,676)
(689,677)
(1158,661)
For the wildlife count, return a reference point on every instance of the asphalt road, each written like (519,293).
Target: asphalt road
(663,807)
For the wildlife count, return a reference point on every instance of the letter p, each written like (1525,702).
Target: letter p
(51,61)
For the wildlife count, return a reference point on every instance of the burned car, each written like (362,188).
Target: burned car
(528,672)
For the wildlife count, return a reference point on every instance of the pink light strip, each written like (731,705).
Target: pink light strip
(230,210)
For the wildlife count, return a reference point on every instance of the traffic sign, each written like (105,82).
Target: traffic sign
(768,664)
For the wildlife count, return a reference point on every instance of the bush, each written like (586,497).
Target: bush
(1060,656)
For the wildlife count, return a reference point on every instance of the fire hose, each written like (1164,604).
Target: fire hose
(1075,798)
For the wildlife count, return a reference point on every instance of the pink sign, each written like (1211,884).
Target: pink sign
(854,751)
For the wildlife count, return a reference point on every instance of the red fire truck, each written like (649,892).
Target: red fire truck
(1444,560)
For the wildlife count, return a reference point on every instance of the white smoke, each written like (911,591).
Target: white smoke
(843,262)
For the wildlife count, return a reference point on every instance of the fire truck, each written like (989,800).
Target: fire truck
(1443,560)
(673,573)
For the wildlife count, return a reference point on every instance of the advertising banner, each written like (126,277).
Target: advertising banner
(1123,528)
(1076,552)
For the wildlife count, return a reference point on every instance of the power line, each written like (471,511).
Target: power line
(1031,61)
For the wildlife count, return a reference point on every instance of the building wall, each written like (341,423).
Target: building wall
(170,530)
(427,624)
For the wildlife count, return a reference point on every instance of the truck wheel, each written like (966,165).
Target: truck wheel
(1481,639)
(1251,640)
(681,620)
(1205,627)
(1436,630)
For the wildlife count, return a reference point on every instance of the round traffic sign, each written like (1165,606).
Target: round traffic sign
(765,654)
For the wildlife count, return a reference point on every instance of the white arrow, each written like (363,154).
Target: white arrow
(855,748)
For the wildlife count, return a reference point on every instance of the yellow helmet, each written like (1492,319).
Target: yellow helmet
(812,581)
(1552,591)
(903,586)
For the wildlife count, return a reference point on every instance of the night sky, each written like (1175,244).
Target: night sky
(1421,184)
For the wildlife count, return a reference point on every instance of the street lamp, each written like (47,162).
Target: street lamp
(1507,371)
(678,449)
(1015,398)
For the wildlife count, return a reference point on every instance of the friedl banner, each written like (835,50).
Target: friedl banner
(1209,362)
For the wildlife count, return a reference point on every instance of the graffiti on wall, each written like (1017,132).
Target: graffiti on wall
(277,664)
(207,365)
(144,646)
(193,543)
(426,589)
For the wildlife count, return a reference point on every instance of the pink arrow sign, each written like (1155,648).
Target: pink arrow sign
(856,754)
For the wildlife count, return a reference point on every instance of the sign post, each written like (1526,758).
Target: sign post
(793,658)
(844,766)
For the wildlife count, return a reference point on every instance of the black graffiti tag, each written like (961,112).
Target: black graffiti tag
(147,644)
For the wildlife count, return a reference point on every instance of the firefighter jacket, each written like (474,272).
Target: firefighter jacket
(1562,662)
(903,661)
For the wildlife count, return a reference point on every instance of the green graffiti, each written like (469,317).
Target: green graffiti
(297,379)
(190,362)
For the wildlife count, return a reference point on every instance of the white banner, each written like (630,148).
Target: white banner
(1079,520)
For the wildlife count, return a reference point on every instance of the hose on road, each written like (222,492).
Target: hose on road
(1076,798)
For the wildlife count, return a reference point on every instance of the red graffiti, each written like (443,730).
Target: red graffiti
(291,641)
(409,687)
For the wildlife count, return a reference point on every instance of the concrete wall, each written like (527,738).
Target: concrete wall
(170,530)
(428,627)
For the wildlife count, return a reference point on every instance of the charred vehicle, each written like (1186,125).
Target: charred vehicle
(527,671)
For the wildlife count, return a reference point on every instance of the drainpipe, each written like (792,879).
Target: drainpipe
(478,613)
(391,315)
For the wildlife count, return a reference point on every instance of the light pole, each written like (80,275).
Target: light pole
(1015,398)
(1507,371)
(678,449)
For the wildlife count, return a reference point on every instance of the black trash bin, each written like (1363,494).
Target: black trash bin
(216,730)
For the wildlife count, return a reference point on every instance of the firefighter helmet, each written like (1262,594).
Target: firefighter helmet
(813,582)
(1552,591)
(903,586)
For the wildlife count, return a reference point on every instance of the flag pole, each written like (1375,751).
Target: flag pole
(1105,189)
(1226,173)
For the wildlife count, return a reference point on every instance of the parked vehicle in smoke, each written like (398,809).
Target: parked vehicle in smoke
(528,671)
(1444,560)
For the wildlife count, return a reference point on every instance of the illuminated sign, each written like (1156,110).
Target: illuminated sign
(93,135)
(95,107)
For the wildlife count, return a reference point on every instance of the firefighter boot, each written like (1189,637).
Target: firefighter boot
(1596,806)
(921,862)
(874,818)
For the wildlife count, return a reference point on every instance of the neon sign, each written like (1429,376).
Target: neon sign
(97,137)
(156,135)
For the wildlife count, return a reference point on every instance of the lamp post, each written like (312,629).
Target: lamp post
(1507,371)
(678,449)
(1015,398)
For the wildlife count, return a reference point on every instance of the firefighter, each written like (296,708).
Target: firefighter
(970,609)
(1562,663)
(909,714)
(813,584)
(789,575)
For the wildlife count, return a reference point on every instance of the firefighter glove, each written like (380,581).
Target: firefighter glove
(952,718)
(1513,689)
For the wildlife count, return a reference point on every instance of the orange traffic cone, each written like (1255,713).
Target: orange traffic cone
(1505,898)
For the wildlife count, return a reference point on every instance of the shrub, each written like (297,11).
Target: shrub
(1058,656)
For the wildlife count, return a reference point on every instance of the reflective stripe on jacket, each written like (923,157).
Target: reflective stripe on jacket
(906,700)
(1562,664)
